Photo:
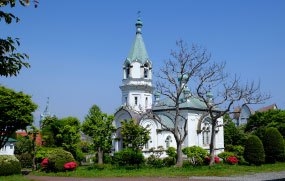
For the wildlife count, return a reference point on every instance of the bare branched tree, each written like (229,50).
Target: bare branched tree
(193,65)
(183,65)
(228,90)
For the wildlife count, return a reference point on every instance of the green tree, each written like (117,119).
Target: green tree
(134,135)
(11,61)
(233,135)
(23,145)
(273,145)
(99,127)
(254,151)
(16,110)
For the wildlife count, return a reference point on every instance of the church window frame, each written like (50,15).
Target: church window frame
(128,68)
(146,102)
(136,100)
(146,70)
(168,140)
(206,132)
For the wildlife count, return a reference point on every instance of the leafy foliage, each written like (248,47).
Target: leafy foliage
(225,155)
(134,135)
(233,135)
(58,155)
(9,165)
(128,157)
(271,118)
(99,127)
(23,145)
(42,153)
(254,151)
(11,61)
(195,154)
(273,145)
(84,146)
(16,110)
(63,133)
(25,159)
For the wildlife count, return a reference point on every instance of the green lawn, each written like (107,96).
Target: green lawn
(15,178)
(217,170)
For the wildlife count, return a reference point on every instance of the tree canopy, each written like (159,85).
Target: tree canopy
(259,121)
(99,127)
(11,61)
(16,110)
(134,135)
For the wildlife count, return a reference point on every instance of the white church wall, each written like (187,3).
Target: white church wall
(136,70)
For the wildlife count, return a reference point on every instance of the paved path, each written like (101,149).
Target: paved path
(277,176)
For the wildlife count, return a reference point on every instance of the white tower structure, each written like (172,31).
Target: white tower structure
(137,79)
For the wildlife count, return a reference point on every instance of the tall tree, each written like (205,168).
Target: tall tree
(99,127)
(11,61)
(220,91)
(16,110)
(134,135)
(173,78)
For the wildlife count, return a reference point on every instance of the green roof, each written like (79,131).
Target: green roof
(138,51)
(11,139)
(166,120)
(194,103)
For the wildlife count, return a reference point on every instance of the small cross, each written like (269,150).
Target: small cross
(139,14)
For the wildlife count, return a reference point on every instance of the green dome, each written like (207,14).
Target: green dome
(184,77)
(157,94)
(210,95)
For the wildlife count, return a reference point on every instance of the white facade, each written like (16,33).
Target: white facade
(8,149)
(137,93)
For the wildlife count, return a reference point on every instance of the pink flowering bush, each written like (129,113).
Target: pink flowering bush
(70,165)
(44,163)
(232,160)
(207,160)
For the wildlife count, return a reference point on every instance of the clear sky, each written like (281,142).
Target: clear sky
(77,48)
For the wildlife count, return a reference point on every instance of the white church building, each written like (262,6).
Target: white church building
(137,95)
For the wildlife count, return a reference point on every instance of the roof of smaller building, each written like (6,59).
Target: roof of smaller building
(270,107)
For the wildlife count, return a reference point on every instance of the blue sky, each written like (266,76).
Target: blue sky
(77,48)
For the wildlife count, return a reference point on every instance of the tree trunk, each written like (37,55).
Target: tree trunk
(212,145)
(34,154)
(179,162)
(100,156)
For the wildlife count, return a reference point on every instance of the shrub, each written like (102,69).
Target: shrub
(238,149)
(84,146)
(57,155)
(195,154)
(59,165)
(26,160)
(171,152)
(225,155)
(241,160)
(232,160)
(253,151)
(273,145)
(9,165)
(128,157)
(169,161)
(42,153)
(154,161)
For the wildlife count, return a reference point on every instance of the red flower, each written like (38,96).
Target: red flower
(232,160)
(217,160)
(44,163)
(70,165)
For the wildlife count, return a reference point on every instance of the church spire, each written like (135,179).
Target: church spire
(138,51)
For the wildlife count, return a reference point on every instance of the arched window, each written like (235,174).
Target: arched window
(145,70)
(168,141)
(147,144)
(206,137)
(146,102)
(128,67)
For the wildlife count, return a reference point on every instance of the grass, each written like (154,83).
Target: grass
(221,170)
(19,177)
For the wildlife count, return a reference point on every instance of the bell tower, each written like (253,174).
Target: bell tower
(137,75)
